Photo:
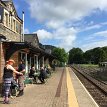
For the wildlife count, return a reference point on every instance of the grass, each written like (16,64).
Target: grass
(89,65)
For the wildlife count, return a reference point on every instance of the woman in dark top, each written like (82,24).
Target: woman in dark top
(8,78)
(32,72)
(42,75)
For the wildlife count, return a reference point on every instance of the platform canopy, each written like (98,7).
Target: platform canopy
(12,47)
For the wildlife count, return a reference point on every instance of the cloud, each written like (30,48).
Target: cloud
(64,36)
(54,24)
(93,36)
(62,10)
(91,26)
(58,17)
(98,39)
(101,33)
(26,31)
(97,26)
(92,45)
(44,35)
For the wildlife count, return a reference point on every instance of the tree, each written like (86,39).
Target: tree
(88,56)
(99,55)
(105,50)
(75,56)
(61,54)
(95,55)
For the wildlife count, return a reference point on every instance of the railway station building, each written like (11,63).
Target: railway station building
(12,46)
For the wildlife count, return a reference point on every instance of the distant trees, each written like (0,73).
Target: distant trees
(61,54)
(75,56)
(96,55)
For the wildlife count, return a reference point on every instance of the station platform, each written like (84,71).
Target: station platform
(83,98)
(62,89)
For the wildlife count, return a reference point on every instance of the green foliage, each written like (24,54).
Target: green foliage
(61,54)
(93,56)
(75,56)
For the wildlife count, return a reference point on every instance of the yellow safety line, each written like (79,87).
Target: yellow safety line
(72,100)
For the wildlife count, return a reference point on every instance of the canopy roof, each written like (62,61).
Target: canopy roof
(12,47)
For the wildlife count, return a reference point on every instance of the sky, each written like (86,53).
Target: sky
(66,23)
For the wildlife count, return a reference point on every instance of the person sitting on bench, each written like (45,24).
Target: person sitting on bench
(42,75)
(32,72)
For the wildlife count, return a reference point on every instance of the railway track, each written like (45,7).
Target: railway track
(96,88)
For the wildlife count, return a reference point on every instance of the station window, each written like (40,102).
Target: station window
(10,21)
(14,27)
(6,19)
(18,27)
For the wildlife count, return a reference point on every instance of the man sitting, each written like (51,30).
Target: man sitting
(32,72)
(43,75)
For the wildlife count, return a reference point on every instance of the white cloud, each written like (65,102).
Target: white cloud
(91,26)
(43,34)
(102,33)
(54,24)
(98,39)
(92,45)
(26,31)
(64,36)
(67,37)
(53,11)
(55,14)
(93,36)
(97,26)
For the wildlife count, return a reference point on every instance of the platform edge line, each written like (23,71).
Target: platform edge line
(87,91)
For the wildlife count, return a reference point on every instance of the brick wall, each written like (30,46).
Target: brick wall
(2,63)
(15,57)
(0,66)
(47,62)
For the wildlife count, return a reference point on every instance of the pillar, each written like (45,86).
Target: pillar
(43,64)
(37,66)
(34,62)
(30,61)
(26,63)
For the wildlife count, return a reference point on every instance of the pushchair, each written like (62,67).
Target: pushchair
(14,88)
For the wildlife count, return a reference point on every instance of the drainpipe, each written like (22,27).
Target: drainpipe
(23,26)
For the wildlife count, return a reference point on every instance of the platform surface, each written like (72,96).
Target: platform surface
(63,89)
(83,97)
